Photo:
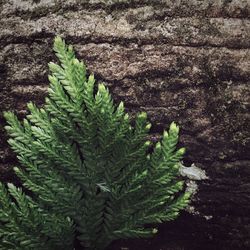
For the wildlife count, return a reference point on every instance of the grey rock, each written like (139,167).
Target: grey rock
(186,61)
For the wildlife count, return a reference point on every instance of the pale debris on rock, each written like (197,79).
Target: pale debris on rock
(193,172)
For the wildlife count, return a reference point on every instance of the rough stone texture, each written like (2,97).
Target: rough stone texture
(182,60)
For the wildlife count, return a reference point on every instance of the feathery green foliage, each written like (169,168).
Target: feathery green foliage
(90,173)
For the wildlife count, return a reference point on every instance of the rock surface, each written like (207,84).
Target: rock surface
(185,60)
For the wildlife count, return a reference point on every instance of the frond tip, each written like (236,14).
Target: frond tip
(91,174)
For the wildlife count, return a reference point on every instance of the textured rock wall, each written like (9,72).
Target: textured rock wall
(182,60)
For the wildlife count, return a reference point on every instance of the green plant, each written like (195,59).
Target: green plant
(90,175)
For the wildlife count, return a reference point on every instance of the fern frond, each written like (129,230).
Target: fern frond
(91,175)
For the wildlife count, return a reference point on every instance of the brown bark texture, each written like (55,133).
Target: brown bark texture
(184,60)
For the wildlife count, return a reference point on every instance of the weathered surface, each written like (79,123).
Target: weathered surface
(187,61)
